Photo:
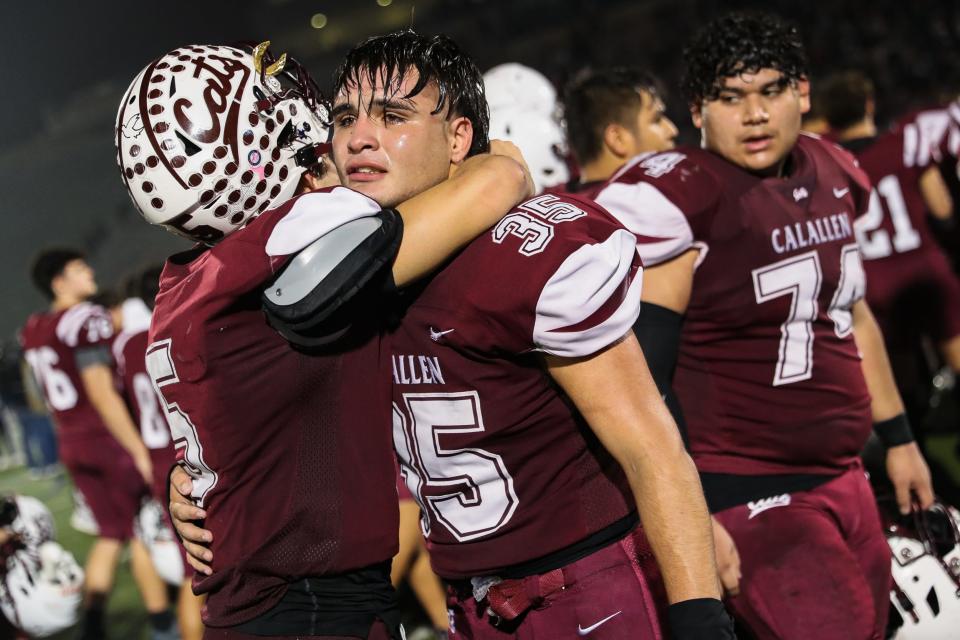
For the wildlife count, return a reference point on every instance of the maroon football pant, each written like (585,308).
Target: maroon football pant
(613,593)
(818,567)
(105,474)
(377,632)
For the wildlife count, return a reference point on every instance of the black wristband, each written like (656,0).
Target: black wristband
(700,619)
(895,431)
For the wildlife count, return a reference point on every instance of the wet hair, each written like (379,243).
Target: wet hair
(436,59)
(739,43)
(50,263)
(596,98)
(842,98)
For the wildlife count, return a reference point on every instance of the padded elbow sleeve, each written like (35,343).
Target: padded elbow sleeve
(318,283)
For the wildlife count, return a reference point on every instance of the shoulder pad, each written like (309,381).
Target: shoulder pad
(329,272)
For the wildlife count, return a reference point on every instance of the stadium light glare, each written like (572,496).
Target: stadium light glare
(318,21)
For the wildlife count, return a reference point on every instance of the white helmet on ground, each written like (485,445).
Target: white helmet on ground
(41,591)
(160,541)
(34,522)
(515,85)
(208,137)
(539,138)
(926,573)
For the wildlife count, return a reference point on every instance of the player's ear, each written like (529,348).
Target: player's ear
(460,135)
(696,115)
(615,139)
(803,90)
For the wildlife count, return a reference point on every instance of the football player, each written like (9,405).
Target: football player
(290,454)
(780,367)
(128,349)
(68,350)
(530,516)
(613,115)
(903,262)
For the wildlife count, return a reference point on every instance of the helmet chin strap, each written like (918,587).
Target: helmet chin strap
(310,154)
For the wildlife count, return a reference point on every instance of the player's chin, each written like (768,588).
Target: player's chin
(765,162)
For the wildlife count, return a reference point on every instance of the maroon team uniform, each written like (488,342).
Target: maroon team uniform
(290,453)
(129,349)
(769,377)
(904,264)
(512,484)
(101,470)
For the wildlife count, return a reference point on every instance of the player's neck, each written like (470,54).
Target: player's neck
(601,168)
(64,302)
(866,128)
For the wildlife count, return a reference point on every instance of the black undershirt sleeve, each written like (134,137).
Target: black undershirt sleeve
(658,331)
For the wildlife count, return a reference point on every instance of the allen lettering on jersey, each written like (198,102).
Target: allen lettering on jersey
(417,370)
(816,231)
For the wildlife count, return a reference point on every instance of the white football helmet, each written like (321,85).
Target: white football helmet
(539,138)
(156,535)
(34,522)
(926,573)
(515,85)
(208,137)
(41,590)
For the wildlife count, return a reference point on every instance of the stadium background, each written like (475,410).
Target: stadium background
(68,63)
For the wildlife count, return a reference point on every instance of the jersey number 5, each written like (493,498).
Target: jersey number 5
(469,491)
(800,277)
(164,374)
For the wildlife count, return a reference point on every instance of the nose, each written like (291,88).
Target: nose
(754,110)
(363,134)
(672,129)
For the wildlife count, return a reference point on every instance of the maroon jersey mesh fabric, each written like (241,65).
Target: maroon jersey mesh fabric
(768,373)
(129,351)
(290,453)
(50,342)
(504,469)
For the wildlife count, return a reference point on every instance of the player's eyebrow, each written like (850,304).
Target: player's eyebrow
(393,104)
(779,83)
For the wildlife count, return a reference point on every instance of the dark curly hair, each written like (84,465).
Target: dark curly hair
(739,43)
(436,59)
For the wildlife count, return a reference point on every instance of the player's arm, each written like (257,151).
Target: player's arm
(97,378)
(615,393)
(936,195)
(665,296)
(341,248)
(442,220)
(907,470)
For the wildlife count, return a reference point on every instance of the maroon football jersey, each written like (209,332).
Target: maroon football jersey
(290,453)
(768,373)
(129,351)
(897,244)
(50,341)
(503,468)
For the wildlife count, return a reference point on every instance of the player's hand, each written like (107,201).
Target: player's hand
(183,513)
(909,474)
(728,560)
(512,151)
